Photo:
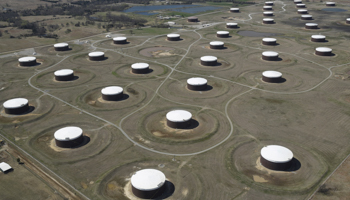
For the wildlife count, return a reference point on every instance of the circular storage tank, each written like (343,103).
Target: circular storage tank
(61,47)
(140,68)
(222,34)
(209,60)
(234,10)
(311,26)
(272,76)
(112,93)
(268,14)
(269,3)
(197,84)
(231,25)
(298,1)
(276,157)
(267,7)
(323,51)
(269,41)
(27,61)
(301,5)
(64,75)
(330,3)
(216,45)
(306,17)
(179,119)
(348,20)
(268,21)
(96,56)
(192,19)
(173,37)
(16,106)
(270,55)
(302,11)
(148,183)
(318,38)
(68,137)
(120,40)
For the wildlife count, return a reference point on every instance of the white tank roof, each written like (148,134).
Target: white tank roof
(348,19)
(311,24)
(192,17)
(15,103)
(148,179)
(208,58)
(330,3)
(197,81)
(68,133)
(173,35)
(63,72)
(119,38)
(140,65)
(268,2)
(234,8)
(268,19)
(179,116)
(268,12)
(222,32)
(302,10)
(171,23)
(270,53)
(323,49)
(306,16)
(216,43)
(235,24)
(276,154)
(61,45)
(112,90)
(318,37)
(297,1)
(27,59)
(269,39)
(96,54)
(272,74)
(300,4)
(267,6)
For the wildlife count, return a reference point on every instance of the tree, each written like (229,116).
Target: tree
(0,33)
(131,32)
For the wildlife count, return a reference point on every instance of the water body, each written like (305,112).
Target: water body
(256,34)
(145,10)
(334,10)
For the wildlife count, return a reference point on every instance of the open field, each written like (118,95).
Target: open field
(237,115)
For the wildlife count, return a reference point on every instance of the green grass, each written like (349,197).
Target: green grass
(219,3)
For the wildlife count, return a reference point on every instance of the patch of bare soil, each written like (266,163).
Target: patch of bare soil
(157,52)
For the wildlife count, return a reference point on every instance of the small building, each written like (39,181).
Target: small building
(192,19)
(301,5)
(276,157)
(171,23)
(209,60)
(97,56)
(318,38)
(179,119)
(64,75)
(270,55)
(323,51)
(61,47)
(222,34)
(173,37)
(112,93)
(140,68)
(268,21)
(16,106)
(148,183)
(120,40)
(27,61)
(268,14)
(311,26)
(302,11)
(267,8)
(231,25)
(5,168)
(216,45)
(197,84)
(269,41)
(69,137)
(272,76)
(306,17)
(234,10)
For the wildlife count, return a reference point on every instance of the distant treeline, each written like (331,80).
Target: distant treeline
(219,1)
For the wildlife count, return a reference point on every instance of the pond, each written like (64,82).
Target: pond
(257,34)
(334,10)
(145,10)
